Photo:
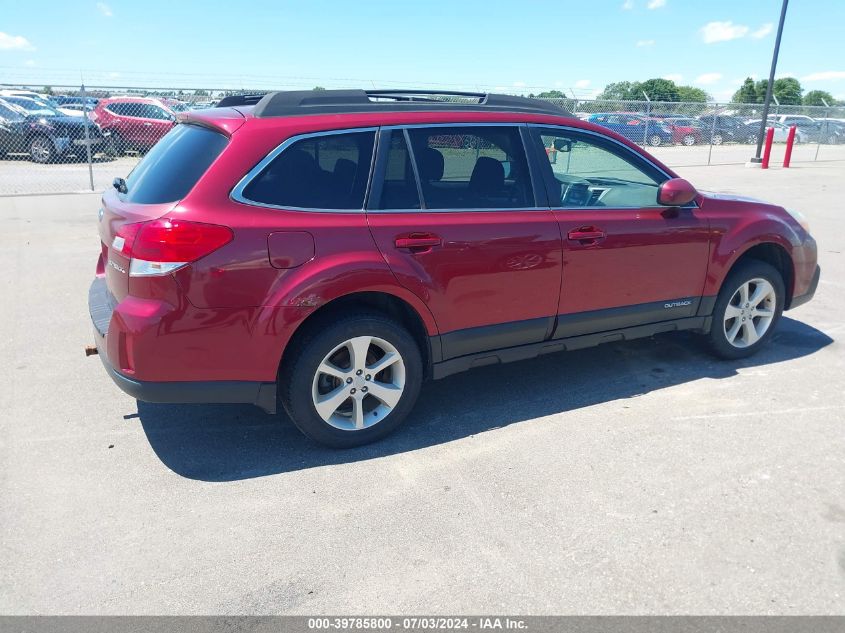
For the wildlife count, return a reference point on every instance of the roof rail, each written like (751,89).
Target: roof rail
(240,100)
(299,102)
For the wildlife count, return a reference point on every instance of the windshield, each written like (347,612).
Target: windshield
(32,106)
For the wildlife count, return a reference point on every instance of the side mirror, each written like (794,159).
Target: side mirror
(563,145)
(675,192)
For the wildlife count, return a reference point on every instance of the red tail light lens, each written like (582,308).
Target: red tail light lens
(161,246)
(169,240)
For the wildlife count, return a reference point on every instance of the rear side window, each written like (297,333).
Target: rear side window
(318,172)
(174,165)
(472,167)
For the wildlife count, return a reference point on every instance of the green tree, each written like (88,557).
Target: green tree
(659,90)
(747,93)
(622,91)
(692,94)
(318,88)
(48,90)
(818,97)
(200,93)
(788,91)
(551,94)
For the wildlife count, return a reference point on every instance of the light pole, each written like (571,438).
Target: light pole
(770,87)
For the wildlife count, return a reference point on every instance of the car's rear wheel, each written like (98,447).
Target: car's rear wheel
(41,149)
(747,309)
(655,140)
(717,139)
(688,140)
(353,381)
(832,140)
(115,147)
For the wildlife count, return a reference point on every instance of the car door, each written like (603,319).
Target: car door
(626,260)
(453,212)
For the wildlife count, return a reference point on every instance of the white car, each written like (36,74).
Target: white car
(41,99)
(782,131)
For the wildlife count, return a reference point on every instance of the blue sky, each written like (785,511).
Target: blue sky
(572,45)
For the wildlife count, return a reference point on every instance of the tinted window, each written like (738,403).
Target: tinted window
(472,167)
(399,190)
(319,172)
(174,164)
(584,173)
(118,108)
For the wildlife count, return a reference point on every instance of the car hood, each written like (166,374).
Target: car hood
(63,120)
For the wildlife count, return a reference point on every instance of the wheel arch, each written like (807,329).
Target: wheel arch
(774,254)
(389,304)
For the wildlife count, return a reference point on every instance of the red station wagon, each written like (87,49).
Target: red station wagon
(332,249)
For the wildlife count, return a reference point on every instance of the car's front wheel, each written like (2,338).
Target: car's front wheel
(654,140)
(717,139)
(352,381)
(747,310)
(41,149)
(688,140)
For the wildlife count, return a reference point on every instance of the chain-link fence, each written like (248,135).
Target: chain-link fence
(76,139)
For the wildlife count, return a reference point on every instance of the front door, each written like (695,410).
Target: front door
(626,260)
(456,219)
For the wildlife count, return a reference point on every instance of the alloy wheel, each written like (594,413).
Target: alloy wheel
(688,140)
(750,312)
(358,383)
(40,150)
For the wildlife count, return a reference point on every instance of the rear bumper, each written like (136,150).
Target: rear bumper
(101,307)
(811,291)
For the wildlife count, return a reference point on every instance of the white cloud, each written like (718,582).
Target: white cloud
(29,63)
(519,84)
(582,83)
(763,31)
(642,43)
(676,77)
(722,31)
(656,4)
(628,5)
(14,42)
(708,78)
(105,9)
(113,75)
(827,75)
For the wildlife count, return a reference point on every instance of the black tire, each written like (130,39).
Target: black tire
(688,140)
(41,149)
(115,147)
(717,139)
(300,368)
(741,274)
(654,140)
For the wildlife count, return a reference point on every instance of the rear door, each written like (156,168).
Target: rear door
(626,260)
(454,213)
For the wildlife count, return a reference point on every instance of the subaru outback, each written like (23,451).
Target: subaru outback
(330,250)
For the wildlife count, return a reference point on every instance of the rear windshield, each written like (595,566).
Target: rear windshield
(174,164)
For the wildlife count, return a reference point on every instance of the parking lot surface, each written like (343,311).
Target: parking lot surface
(639,477)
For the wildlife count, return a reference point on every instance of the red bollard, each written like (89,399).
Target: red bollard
(767,151)
(789,141)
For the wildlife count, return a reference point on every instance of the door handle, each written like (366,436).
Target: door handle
(418,242)
(586,234)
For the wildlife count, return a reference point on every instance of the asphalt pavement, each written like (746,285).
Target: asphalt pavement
(632,478)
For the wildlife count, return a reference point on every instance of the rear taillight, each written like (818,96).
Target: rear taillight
(161,246)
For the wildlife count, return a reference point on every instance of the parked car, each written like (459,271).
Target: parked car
(334,248)
(43,133)
(832,131)
(135,123)
(68,100)
(685,131)
(727,129)
(781,131)
(174,105)
(634,127)
(37,98)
